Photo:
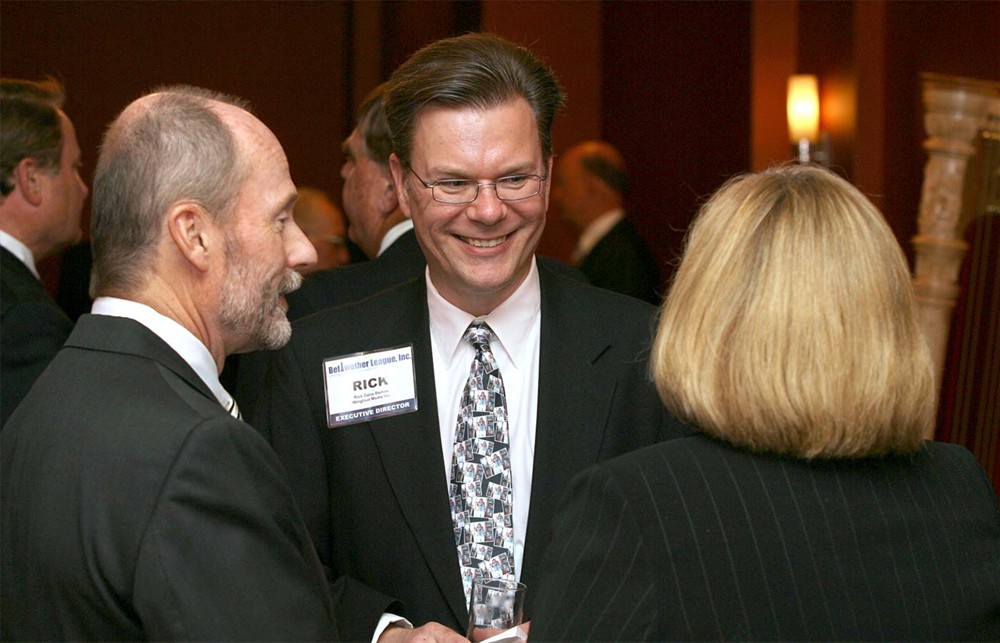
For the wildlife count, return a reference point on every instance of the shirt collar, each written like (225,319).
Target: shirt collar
(596,231)
(394,233)
(19,250)
(510,321)
(180,339)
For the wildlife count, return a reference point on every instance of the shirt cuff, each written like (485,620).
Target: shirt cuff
(387,620)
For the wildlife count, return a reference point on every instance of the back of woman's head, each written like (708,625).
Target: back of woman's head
(791,325)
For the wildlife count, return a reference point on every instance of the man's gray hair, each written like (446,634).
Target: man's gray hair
(171,147)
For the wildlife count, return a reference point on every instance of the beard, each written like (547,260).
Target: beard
(250,304)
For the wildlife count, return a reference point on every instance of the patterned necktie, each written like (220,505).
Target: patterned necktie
(480,490)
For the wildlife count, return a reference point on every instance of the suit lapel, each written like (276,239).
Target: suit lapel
(410,449)
(573,400)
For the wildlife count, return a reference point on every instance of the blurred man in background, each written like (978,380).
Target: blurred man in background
(589,186)
(324,225)
(377,224)
(41,197)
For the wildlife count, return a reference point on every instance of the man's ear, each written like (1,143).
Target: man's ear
(547,186)
(388,201)
(398,180)
(28,179)
(194,233)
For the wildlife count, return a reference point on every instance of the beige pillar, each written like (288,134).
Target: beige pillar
(955,111)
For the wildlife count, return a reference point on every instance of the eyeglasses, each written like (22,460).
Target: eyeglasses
(332,239)
(508,188)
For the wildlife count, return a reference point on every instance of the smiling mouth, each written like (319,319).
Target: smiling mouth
(484,243)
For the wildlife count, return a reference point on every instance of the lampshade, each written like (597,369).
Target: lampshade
(803,108)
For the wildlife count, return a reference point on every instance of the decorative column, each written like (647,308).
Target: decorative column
(955,111)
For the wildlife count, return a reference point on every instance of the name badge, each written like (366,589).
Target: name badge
(367,386)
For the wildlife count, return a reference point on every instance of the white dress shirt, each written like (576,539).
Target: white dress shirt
(394,233)
(517,325)
(595,232)
(180,339)
(19,250)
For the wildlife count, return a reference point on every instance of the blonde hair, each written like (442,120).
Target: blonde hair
(791,325)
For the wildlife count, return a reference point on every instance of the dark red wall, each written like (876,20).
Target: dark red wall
(287,59)
(676,97)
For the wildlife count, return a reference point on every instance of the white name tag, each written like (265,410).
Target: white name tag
(367,386)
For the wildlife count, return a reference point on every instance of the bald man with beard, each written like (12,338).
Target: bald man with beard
(136,505)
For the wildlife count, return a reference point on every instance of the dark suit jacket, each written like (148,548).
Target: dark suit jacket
(135,507)
(401,261)
(375,494)
(32,329)
(698,540)
(622,262)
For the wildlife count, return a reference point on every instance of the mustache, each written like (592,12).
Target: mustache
(289,282)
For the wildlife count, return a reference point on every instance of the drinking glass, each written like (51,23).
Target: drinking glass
(496,604)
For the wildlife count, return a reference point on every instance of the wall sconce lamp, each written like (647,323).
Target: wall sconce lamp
(809,145)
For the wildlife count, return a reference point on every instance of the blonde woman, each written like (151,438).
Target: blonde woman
(808,507)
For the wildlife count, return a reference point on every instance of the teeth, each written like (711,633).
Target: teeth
(484,243)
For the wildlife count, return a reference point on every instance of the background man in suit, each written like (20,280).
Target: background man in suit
(323,224)
(41,196)
(384,497)
(377,224)
(588,187)
(135,505)
(807,508)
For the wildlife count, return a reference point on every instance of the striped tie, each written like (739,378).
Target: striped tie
(234,409)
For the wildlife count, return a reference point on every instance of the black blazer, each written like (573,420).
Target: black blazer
(243,375)
(135,507)
(695,539)
(622,262)
(401,261)
(32,330)
(375,494)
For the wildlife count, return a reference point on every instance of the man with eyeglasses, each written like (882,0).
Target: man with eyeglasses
(377,224)
(391,439)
